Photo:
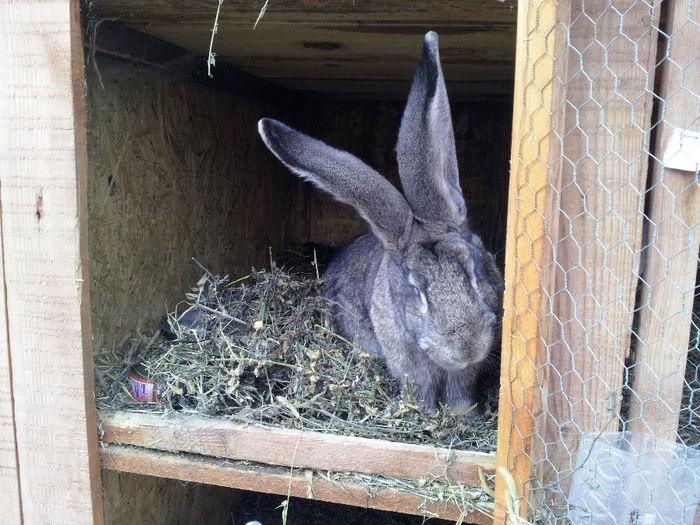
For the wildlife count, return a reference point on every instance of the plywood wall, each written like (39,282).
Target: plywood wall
(132,498)
(175,171)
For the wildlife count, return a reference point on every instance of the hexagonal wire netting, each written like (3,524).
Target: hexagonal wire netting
(603,398)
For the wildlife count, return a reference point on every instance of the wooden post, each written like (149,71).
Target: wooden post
(537,38)
(47,350)
(674,238)
(575,226)
(9,474)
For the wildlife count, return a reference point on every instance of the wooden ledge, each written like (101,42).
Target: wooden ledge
(222,438)
(201,449)
(276,480)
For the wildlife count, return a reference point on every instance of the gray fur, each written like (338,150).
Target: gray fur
(420,290)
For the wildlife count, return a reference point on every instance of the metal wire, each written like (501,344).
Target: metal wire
(605,394)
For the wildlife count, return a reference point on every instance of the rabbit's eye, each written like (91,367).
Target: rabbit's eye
(418,300)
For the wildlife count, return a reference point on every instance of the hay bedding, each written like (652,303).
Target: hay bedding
(262,350)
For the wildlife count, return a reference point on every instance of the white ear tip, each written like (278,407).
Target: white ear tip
(431,37)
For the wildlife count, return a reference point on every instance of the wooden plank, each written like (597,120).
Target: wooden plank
(276,480)
(43,168)
(594,226)
(9,473)
(276,52)
(527,200)
(171,61)
(674,238)
(335,38)
(582,119)
(220,438)
(321,43)
(335,12)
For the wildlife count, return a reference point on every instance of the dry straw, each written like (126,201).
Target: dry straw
(261,349)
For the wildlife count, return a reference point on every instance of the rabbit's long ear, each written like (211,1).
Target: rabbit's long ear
(345,177)
(426,146)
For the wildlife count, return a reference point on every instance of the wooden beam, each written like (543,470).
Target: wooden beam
(47,304)
(523,306)
(582,120)
(220,438)
(9,472)
(108,37)
(390,12)
(277,480)
(595,221)
(674,238)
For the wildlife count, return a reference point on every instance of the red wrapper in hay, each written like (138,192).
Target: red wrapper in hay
(142,389)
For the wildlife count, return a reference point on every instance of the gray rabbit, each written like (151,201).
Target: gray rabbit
(420,289)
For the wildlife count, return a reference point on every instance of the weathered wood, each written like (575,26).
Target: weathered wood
(43,167)
(220,438)
(523,307)
(335,12)
(130,498)
(275,480)
(582,119)
(298,44)
(674,237)
(9,473)
(594,224)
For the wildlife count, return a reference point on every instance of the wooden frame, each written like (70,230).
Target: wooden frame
(551,389)
(46,378)
(48,444)
(135,442)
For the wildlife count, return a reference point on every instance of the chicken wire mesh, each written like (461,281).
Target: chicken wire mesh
(600,402)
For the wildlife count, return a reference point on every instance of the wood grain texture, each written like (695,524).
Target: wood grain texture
(581,125)
(9,472)
(45,262)
(594,226)
(177,171)
(301,44)
(527,201)
(674,237)
(224,439)
(271,480)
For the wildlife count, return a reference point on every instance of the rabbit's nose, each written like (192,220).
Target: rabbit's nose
(489,318)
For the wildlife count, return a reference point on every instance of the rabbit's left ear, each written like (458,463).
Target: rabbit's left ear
(426,146)
(345,177)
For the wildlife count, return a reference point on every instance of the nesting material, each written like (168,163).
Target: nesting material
(261,349)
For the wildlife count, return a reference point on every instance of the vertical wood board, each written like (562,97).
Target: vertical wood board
(527,201)
(44,258)
(674,237)
(9,473)
(575,230)
(594,225)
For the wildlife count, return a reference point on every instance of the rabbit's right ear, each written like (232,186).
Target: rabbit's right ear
(345,177)
(426,147)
